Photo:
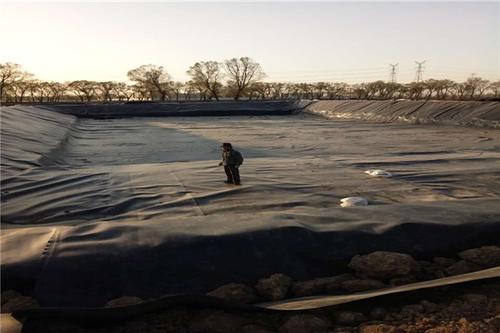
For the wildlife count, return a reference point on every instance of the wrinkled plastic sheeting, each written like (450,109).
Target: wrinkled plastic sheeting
(141,230)
(176,109)
(89,264)
(472,113)
(29,135)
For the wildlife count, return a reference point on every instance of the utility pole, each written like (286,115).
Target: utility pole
(420,71)
(393,72)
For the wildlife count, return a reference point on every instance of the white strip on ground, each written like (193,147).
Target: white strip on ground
(315,302)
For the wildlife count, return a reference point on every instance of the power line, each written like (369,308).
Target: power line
(393,72)
(346,70)
(420,71)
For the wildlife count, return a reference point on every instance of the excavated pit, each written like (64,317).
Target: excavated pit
(93,209)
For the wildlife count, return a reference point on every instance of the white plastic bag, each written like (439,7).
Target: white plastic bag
(353,202)
(378,173)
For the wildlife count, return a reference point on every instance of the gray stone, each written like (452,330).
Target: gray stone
(384,265)
(123,301)
(275,287)
(362,285)
(402,281)
(494,322)
(235,292)
(379,328)
(444,262)
(412,310)
(8,295)
(318,286)
(486,256)
(430,270)
(462,267)
(216,321)
(476,299)
(350,318)
(19,303)
(305,323)
(253,328)
(429,307)
(378,313)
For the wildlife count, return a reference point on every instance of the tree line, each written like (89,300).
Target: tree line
(237,78)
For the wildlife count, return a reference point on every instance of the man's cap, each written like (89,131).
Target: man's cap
(226,144)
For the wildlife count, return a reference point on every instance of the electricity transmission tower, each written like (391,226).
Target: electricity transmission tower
(393,72)
(420,71)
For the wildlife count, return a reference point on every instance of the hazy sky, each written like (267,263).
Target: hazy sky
(298,41)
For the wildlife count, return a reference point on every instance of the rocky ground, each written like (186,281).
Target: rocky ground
(472,307)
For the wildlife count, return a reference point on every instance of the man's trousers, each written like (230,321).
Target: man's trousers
(232,173)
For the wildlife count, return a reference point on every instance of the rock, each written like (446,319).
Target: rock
(476,299)
(443,262)
(378,313)
(305,323)
(402,281)
(8,295)
(19,303)
(252,328)
(350,318)
(123,301)
(379,328)
(275,287)
(429,307)
(171,320)
(318,286)
(494,322)
(462,267)
(132,326)
(235,292)
(430,270)
(486,256)
(362,285)
(384,265)
(216,321)
(410,311)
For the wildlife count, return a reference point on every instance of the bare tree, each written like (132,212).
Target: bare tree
(392,89)
(443,88)
(177,88)
(141,92)
(55,91)
(495,88)
(189,89)
(460,90)
(10,74)
(242,73)
(153,78)
(415,90)
(207,74)
(123,91)
(43,92)
(19,89)
(106,90)
(85,90)
(476,87)
(336,90)
(431,87)
(360,91)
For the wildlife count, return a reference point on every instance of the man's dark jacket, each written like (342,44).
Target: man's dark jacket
(232,157)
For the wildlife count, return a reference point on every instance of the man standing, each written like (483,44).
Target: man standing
(231,160)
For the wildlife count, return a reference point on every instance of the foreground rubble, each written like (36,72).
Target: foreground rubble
(466,308)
